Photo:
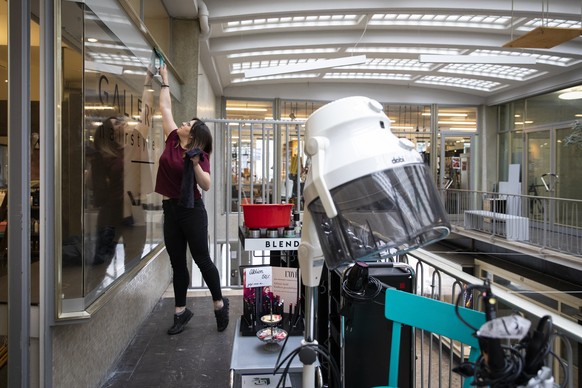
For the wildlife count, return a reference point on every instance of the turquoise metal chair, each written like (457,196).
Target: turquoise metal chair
(404,308)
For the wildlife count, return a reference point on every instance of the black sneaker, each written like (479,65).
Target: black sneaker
(180,321)
(222,315)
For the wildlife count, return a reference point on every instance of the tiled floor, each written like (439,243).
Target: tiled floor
(199,357)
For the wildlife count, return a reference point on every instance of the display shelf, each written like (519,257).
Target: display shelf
(293,324)
(249,357)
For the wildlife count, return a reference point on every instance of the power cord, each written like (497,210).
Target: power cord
(560,362)
(307,354)
(358,287)
(537,347)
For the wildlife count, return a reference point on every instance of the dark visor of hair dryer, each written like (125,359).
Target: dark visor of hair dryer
(381,215)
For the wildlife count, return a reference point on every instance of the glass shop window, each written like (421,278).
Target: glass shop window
(111,139)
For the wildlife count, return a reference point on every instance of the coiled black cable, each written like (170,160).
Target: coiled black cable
(506,377)
(373,289)
(521,361)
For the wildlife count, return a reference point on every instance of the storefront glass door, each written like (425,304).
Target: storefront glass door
(455,160)
(539,170)
(569,173)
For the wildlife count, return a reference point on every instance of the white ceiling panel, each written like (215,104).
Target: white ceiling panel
(392,35)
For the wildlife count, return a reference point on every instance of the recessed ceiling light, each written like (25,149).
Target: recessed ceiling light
(570,96)
(92,40)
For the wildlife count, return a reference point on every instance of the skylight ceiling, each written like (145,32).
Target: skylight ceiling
(265,34)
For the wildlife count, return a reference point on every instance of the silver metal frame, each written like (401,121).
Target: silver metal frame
(19,271)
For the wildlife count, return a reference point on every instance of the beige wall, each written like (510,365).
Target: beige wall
(207,103)
(83,353)
(184,57)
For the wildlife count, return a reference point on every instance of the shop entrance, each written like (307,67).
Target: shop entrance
(455,160)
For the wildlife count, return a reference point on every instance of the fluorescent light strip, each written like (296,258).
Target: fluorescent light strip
(468,83)
(458,122)
(290,22)
(352,75)
(145,50)
(570,96)
(98,107)
(495,59)
(323,64)
(296,119)
(275,77)
(283,52)
(239,67)
(447,114)
(470,21)
(394,64)
(103,67)
(541,58)
(405,50)
(545,22)
(135,72)
(490,70)
(243,109)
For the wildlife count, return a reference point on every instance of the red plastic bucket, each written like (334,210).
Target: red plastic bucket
(267,216)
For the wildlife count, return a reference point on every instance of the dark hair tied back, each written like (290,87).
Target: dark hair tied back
(201,135)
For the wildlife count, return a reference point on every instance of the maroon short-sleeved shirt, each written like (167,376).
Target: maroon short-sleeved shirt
(171,168)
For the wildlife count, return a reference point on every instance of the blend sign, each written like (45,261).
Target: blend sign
(276,244)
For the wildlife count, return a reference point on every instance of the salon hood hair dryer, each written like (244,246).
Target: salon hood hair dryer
(368,196)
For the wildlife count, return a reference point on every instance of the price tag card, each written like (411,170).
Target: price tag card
(264,381)
(258,277)
(286,284)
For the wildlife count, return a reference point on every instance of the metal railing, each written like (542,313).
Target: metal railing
(436,356)
(548,224)
(542,222)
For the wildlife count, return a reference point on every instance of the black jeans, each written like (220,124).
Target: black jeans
(183,228)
